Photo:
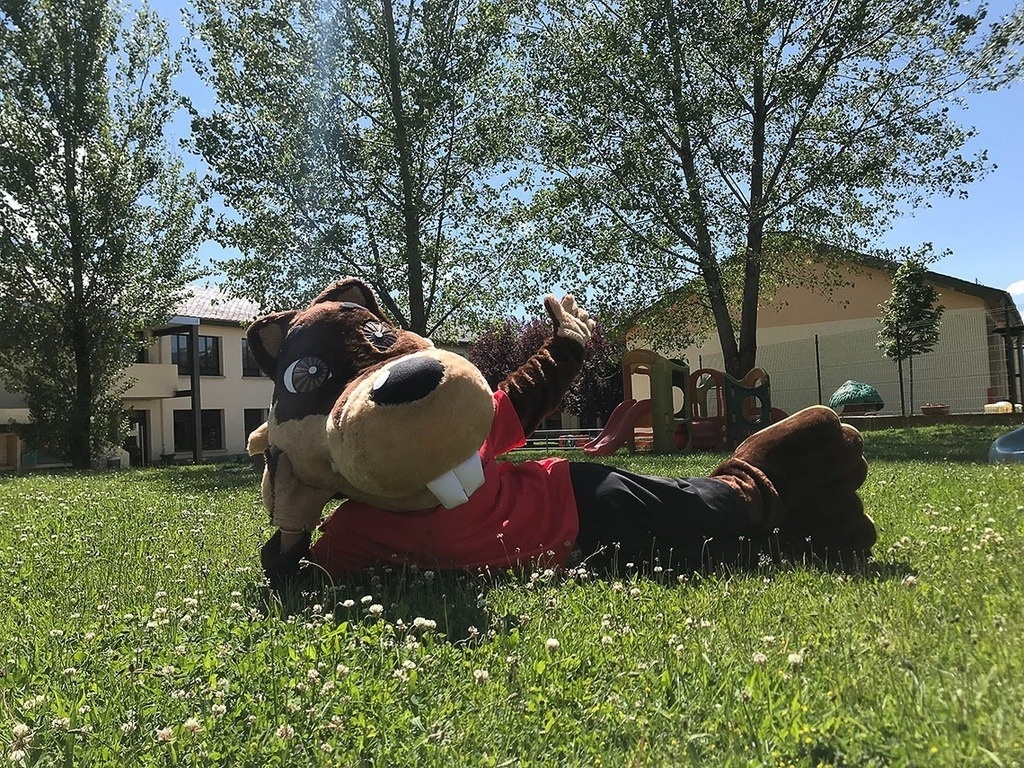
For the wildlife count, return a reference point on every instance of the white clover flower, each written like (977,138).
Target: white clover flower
(218,710)
(192,725)
(427,625)
(481,675)
(795,659)
(61,723)
(21,732)
(164,734)
(376,609)
(910,581)
(552,644)
(759,658)
(285,732)
(341,670)
(366,599)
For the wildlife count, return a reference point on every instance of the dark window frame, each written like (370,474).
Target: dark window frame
(250,369)
(208,348)
(211,429)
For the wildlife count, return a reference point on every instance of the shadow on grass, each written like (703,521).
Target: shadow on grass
(458,600)
(939,443)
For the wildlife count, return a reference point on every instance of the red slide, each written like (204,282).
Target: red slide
(619,428)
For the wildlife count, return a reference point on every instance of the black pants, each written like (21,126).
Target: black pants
(630,521)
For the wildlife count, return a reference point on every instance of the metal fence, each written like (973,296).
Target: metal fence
(970,366)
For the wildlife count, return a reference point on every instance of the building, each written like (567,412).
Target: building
(232,394)
(811,344)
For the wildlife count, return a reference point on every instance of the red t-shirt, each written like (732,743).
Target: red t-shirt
(522,513)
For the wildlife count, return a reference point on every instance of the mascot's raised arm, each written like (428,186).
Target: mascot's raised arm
(409,436)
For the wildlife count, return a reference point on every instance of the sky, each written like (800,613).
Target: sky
(983,233)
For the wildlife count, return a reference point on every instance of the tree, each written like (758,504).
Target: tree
(910,320)
(719,139)
(364,138)
(503,347)
(97,222)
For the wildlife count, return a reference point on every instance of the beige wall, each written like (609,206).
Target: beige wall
(868,287)
(957,372)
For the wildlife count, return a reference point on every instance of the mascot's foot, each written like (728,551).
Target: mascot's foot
(836,531)
(815,464)
(282,567)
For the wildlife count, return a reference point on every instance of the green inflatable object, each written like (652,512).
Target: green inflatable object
(856,393)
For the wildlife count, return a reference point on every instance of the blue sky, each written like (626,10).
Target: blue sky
(983,233)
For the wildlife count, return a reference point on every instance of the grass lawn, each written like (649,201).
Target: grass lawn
(134,631)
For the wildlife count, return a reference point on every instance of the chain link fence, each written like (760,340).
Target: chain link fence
(970,366)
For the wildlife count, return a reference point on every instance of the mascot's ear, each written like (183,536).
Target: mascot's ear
(351,290)
(265,337)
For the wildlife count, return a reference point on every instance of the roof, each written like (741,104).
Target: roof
(209,303)
(995,298)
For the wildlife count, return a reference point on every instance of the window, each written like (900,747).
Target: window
(249,367)
(209,355)
(211,430)
(253,418)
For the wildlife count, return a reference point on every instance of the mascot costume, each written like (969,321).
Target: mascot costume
(409,436)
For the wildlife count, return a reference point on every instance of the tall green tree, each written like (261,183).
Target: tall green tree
(715,139)
(97,221)
(366,138)
(910,320)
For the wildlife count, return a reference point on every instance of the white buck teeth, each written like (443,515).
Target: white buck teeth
(455,486)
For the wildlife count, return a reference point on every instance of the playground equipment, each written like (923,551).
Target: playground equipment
(665,376)
(1008,447)
(619,429)
(716,410)
(855,398)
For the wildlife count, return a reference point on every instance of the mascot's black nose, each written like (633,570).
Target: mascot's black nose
(407,381)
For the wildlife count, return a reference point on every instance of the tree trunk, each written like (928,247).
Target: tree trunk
(747,354)
(80,437)
(410,200)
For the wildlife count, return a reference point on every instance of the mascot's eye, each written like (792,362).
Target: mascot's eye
(306,374)
(381,335)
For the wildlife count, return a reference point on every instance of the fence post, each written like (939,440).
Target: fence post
(817,366)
